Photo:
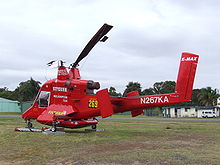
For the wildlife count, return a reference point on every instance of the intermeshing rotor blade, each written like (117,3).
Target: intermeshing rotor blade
(99,36)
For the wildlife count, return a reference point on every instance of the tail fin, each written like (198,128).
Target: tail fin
(136,112)
(186,75)
(104,103)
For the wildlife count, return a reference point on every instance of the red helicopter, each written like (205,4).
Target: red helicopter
(69,102)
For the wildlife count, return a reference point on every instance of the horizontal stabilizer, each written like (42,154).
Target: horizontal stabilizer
(135,113)
(104,103)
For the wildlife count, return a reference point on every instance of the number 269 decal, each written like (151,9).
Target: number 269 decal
(93,103)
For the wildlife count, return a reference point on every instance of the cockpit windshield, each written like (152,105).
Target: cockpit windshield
(43,99)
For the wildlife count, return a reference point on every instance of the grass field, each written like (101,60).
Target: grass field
(10,113)
(122,142)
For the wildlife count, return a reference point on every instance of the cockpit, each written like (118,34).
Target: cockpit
(43,99)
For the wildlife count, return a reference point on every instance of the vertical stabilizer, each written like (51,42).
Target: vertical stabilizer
(104,103)
(186,75)
(136,112)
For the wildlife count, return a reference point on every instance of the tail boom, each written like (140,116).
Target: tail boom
(136,103)
(182,94)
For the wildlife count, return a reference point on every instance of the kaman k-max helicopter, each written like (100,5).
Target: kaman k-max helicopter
(67,101)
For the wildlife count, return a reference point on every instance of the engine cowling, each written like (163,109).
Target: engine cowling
(93,85)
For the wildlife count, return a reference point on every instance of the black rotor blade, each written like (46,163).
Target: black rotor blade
(99,36)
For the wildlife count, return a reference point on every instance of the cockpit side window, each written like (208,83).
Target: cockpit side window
(43,99)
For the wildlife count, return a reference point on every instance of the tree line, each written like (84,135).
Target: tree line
(27,91)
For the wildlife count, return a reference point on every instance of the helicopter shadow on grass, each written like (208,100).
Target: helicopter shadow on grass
(79,131)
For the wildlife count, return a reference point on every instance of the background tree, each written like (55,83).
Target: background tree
(3,89)
(132,86)
(7,94)
(27,90)
(194,98)
(112,92)
(148,91)
(164,87)
(208,96)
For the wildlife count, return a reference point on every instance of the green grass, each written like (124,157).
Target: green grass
(122,142)
(129,116)
(10,113)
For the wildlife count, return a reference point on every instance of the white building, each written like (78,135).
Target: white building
(218,102)
(191,111)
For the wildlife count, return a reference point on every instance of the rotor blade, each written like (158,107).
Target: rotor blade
(100,35)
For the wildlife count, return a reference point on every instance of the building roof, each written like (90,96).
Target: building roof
(197,107)
(7,100)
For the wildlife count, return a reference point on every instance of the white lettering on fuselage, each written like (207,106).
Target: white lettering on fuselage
(60,89)
(189,59)
(58,96)
(154,100)
(62,72)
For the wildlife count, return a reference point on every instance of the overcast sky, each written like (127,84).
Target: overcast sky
(144,45)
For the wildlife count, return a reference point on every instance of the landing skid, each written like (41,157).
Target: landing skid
(53,130)
(28,129)
(44,131)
